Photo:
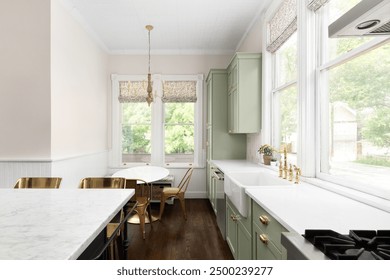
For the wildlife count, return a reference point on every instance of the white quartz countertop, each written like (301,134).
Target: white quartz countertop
(305,206)
(54,224)
(308,207)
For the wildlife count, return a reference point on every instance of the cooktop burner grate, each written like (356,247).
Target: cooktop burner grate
(357,245)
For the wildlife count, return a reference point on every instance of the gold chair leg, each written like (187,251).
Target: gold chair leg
(150,214)
(111,254)
(142,222)
(162,205)
(183,206)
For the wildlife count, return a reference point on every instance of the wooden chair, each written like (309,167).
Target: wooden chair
(108,183)
(142,197)
(38,183)
(177,192)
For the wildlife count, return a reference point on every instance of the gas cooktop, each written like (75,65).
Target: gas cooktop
(357,245)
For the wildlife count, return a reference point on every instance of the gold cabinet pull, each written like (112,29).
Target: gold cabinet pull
(233,217)
(264,219)
(263,238)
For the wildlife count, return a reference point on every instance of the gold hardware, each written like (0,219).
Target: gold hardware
(297,174)
(233,217)
(264,219)
(280,169)
(264,238)
(149,89)
(290,173)
(285,163)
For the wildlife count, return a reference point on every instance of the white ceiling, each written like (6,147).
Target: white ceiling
(180,26)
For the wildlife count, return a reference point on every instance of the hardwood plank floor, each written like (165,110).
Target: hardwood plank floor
(173,238)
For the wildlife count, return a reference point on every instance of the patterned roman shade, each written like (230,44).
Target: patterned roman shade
(132,91)
(282,25)
(179,91)
(314,5)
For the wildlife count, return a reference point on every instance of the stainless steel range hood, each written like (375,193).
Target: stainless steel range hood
(367,18)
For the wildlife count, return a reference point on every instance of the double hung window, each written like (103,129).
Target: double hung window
(168,132)
(354,107)
(283,46)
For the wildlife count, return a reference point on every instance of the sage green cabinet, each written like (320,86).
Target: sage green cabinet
(211,189)
(266,235)
(244,91)
(220,144)
(238,233)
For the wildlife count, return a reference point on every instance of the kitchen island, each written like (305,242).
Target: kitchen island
(55,224)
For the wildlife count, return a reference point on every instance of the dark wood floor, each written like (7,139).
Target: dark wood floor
(173,238)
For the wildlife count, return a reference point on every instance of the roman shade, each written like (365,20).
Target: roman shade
(282,25)
(314,5)
(132,91)
(179,91)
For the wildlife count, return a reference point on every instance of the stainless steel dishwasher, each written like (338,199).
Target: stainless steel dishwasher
(218,178)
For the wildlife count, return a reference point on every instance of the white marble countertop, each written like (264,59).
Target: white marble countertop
(54,224)
(147,173)
(305,206)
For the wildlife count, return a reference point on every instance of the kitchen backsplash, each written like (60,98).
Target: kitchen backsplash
(253,142)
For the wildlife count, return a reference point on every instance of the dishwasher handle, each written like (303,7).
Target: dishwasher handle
(217,174)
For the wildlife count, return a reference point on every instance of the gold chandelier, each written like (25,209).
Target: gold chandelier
(149,97)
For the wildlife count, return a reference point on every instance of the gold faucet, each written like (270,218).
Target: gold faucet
(290,173)
(297,174)
(285,163)
(280,168)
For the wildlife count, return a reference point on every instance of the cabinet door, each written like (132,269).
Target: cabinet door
(263,248)
(231,230)
(244,243)
(232,111)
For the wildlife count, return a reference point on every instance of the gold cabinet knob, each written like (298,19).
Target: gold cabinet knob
(233,217)
(264,238)
(264,219)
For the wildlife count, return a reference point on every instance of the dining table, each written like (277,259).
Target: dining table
(55,224)
(147,173)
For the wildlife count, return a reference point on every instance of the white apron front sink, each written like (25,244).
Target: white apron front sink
(236,183)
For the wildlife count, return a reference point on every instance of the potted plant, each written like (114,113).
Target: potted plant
(267,151)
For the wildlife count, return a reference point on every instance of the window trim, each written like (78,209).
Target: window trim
(157,150)
(322,101)
(309,29)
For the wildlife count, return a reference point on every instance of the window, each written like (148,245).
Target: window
(166,133)
(136,132)
(285,98)
(179,132)
(354,102)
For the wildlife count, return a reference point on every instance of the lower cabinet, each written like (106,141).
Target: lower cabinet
(211,187)
(238,233)
(266,236)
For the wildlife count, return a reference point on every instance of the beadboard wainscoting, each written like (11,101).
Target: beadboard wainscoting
(12,170)
(71,169)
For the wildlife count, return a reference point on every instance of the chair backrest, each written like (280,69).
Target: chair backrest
(141,187)
(185,180)
(38,183)
(102,183)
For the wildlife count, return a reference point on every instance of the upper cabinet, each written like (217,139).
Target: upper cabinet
(244,93)
(220,143)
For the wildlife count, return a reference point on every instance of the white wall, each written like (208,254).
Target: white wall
(54,90)
(25,79)
(79,86)
(79,94)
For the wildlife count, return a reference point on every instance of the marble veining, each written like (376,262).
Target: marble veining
(54,224)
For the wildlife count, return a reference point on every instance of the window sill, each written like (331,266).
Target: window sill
(374,201)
